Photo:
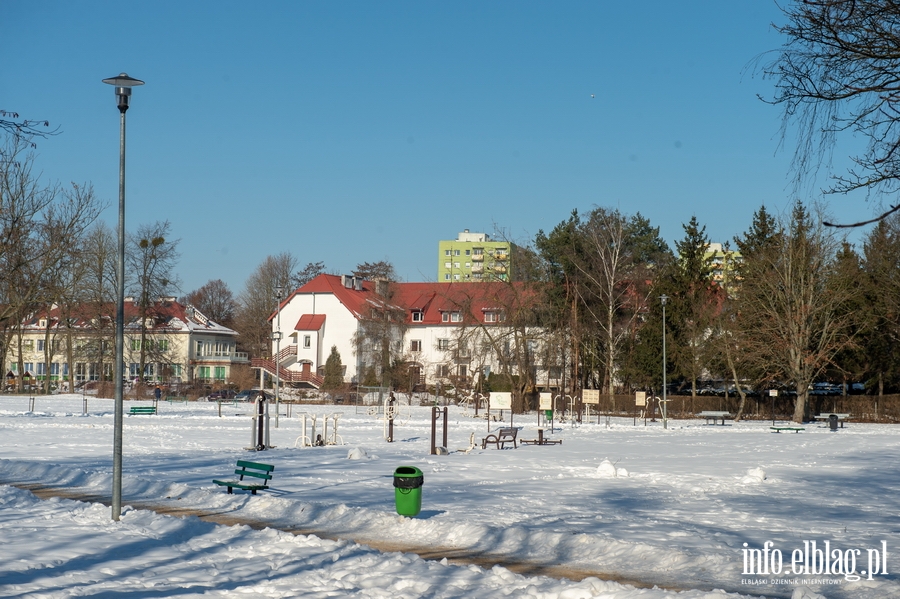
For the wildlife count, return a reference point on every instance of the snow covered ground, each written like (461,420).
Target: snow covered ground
(621,510)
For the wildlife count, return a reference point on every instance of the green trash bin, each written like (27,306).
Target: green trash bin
(408,490)
(548,414)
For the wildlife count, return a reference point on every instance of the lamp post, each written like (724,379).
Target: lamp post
(279,294)
(123,84)
(665,404)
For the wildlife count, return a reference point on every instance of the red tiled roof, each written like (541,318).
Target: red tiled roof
(432,299)
(310,322)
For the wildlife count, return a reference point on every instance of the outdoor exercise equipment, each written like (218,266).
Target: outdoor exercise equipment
(435,413)
(309,437)
(259,428)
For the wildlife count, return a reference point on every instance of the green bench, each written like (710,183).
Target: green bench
(136,410)
(778,429)
(253,470)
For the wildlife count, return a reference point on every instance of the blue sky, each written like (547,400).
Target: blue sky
(346,132)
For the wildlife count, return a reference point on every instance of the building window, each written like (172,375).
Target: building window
(203,372)
(40,344)
(443,344)
(442,371)
(220,373)
(445,316)
(447,277)
(415,345)
(461,371)
(456,265)
(456,317)
(418,316)
(456,253)
(468,252)
(456,277)
(446,252)
(41,369)
(447,264)
(490,317)
(307,341)
(29,368)
(162,345)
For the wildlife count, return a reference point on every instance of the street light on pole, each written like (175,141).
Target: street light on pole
(665,404)
(279,294)
(123,84)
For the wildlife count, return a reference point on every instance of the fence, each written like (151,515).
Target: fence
(863,408)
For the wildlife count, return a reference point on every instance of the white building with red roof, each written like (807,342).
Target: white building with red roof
(181,345)
(442,332)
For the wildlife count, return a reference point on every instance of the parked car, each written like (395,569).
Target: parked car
(221,395)
(251,395)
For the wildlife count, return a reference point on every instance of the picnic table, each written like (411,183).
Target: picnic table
(714,416)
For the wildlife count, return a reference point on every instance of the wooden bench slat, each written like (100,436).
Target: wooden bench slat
(251,469)
(255,465)
(263,475)
(500,438)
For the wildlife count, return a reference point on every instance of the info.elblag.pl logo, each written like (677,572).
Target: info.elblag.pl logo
(816,560)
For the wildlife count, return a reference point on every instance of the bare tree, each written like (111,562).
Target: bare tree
(796,321)
(256,303)
(214,300)
(23,130)
(151,261)
(837,78)
(378,341)
(376,271)
(98,292)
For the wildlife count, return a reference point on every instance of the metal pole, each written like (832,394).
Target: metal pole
(664,400)
(120,329)
(277,356)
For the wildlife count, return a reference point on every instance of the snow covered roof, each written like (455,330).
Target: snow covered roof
(164,316)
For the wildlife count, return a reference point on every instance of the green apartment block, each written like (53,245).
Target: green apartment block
(474,257)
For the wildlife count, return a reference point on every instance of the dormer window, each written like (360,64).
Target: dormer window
(418,316)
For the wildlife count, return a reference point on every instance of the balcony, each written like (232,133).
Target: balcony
(500,268)
(501,256)
(477,257)
(478,268)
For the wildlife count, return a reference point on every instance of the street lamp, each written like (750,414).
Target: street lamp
(663,299)
(123,84)
(279,294)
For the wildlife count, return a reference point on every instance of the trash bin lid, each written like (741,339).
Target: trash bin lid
(407,471)
(408,477)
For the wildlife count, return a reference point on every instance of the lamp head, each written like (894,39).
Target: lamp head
(663,299)
(123,84)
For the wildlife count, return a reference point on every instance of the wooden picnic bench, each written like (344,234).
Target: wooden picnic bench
(541,440)
(778,429)
(714,416)
(501,438)
(253,470)
(136,410)
(827,415)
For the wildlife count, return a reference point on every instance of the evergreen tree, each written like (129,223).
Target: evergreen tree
(334,372)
